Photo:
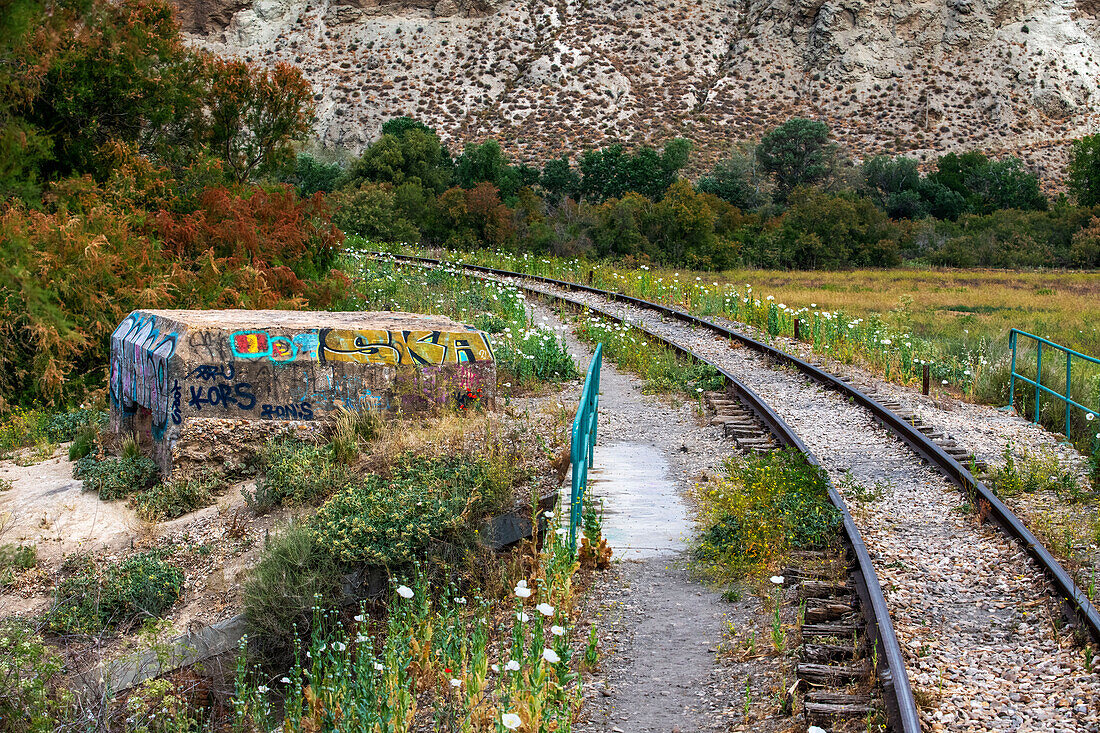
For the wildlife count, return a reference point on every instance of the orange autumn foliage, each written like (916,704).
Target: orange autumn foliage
(69,276)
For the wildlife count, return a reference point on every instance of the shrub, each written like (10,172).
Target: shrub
(82,445)
(32,700)
(97,598)
(296,472)
(66,426)
(14,558)
(370,211)
(763,508)
(69,277)
(22,428)
(388,521)
(310,175)
(160,705)
(1031,472)
(115,478)
(293,575)
(178,496)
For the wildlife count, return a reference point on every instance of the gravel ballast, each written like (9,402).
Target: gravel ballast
(973,616)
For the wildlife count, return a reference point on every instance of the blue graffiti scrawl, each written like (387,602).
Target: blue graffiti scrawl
(139,368)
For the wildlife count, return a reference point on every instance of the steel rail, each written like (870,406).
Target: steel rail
(901,707)
(917,441)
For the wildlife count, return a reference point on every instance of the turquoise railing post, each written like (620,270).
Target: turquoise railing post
(1069,392)
(583,448)
(1038,379)
(1037,383)
(1012,379)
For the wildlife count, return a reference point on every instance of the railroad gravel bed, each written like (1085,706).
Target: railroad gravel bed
(974,618)
(661,629)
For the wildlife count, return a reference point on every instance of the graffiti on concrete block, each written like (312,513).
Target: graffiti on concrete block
(237,395)
(139,368)
(209,372)
(299,411)
(403,347)
(280,349)
(177,394)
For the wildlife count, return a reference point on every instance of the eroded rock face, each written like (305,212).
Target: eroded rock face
(913,76)
(205,17)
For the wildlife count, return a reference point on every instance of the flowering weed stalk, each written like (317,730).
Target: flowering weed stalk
(531,352)
(461,664)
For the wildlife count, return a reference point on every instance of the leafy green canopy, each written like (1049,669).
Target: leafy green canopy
(81,80)
(1084,170)
(798,153)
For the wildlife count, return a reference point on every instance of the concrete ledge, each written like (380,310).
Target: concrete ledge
(169,366)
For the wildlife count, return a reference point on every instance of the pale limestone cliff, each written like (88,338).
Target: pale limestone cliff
(1008,76)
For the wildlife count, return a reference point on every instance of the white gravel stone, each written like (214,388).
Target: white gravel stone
(972,614)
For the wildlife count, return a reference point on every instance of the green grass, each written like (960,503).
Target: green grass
(99,597)
(894,322)
(763,508)
(663,369)
(525,352)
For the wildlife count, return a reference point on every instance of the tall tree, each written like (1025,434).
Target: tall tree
(256,115)
(797,153)
(119,72)
(559,180)
(30,33)
(481,163)
(737,180)
(1084,170)
(894,186)
(410,155)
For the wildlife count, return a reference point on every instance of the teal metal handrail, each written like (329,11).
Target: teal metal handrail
(1037,383)
(584,441)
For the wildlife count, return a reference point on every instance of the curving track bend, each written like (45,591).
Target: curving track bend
(975,618)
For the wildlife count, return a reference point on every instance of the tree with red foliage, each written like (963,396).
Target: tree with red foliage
(256,114)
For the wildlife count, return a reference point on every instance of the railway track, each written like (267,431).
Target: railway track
(968,603)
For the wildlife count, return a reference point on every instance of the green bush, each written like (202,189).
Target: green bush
(83,445)
(1031,472)
(388,521)
(96,598)
(296,472)
(31,700)
(176,497)
(14,558)
(765,507)
(22,427)
(65,426)
(115,478)
(292,576)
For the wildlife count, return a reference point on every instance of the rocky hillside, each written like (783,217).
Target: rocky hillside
(1008,76)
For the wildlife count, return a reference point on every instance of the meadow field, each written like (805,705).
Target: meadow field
(945,304)
(892,321)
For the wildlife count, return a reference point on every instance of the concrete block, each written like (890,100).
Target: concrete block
(173,367)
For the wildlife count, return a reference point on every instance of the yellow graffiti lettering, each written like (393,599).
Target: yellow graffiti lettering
(404,347)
